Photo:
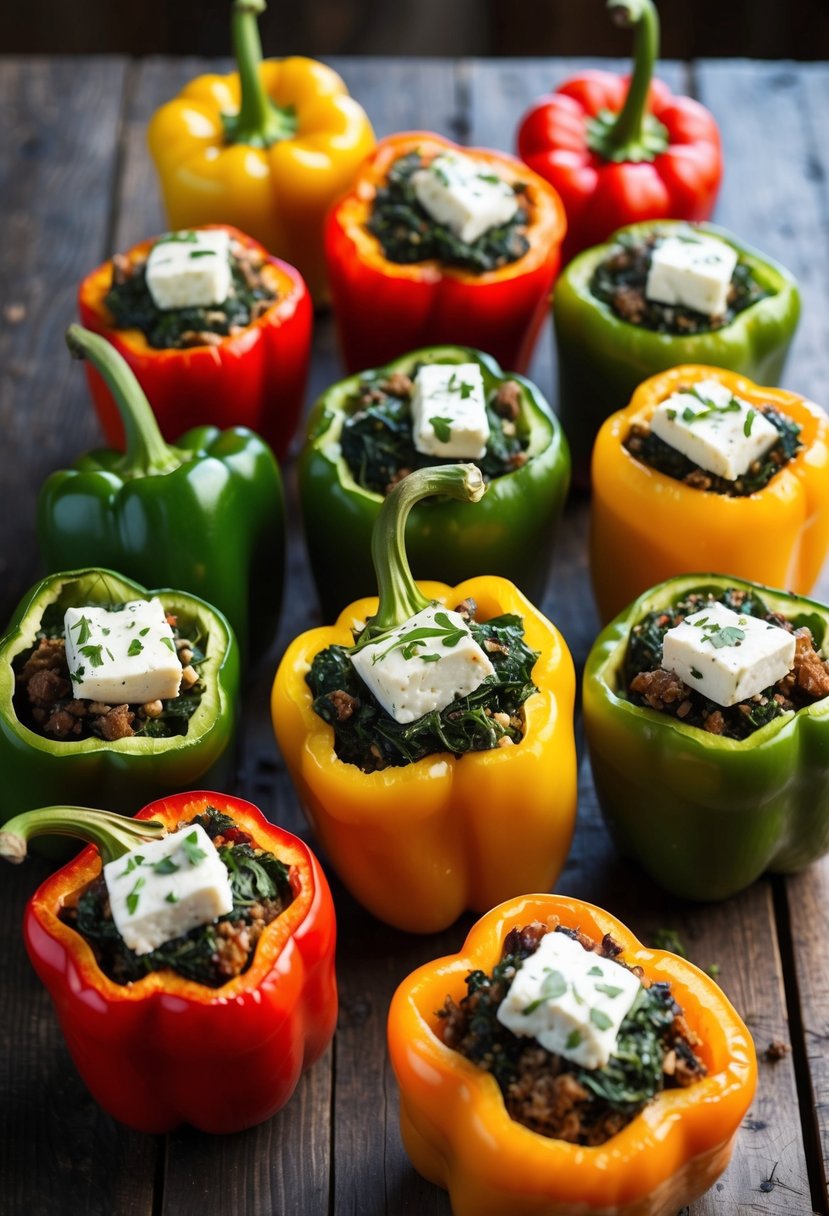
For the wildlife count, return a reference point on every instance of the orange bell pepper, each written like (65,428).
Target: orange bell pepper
(647,527)
(458,1134)
(267,148)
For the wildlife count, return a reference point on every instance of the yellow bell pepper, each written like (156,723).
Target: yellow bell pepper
(418,844)
(459,1135)
(647,527)
(267,148)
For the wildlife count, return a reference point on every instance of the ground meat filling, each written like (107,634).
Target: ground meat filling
(548,1093)
(252,293)
(210,954)
(619,281)
(376,440)
(650,685)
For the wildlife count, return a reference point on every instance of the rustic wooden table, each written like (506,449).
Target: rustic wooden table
(76,185)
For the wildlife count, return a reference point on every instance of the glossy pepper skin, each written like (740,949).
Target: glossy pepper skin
(206,515)
(268,148)
(384,309)
(417,845)
(125,773)
(601,358)
(255,378)
(163,1050)
(647,527)
(703,815)
(621,150)
(458,1134)
(510,532)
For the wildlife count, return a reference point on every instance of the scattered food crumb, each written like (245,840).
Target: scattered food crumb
(14,313)
(776,1050)
(669,939)
(714,970)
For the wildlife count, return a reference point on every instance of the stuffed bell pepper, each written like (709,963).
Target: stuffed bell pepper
(706,471)
(189,955)
(267,148)
(430,735)
(622,150)
(205,515)
(706,710)
(556,1065)
(112,693)
(216,331)
(658,295)
(442,403)
(437,243)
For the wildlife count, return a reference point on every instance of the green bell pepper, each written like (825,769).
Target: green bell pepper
(123,774)
(511,532)
(703,814)
(206,515)
(602,359)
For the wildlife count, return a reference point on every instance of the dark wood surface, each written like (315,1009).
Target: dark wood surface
(75,185)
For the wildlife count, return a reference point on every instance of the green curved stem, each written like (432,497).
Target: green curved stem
(633,134)
(114,834)
(399,595)
(146,450)
(260,122)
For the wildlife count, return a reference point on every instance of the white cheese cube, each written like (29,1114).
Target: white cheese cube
(694,271)
(189,270)
(571,1000)
(423,665)
(726,656)
(465,195)
(716,430)
(449,411)
(165,888)
(127,655)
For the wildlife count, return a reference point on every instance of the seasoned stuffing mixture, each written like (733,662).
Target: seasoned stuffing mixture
(548,1093)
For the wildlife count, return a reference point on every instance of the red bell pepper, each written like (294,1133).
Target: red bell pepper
(384,309)
(163,1050)
(621,150)
(255,378)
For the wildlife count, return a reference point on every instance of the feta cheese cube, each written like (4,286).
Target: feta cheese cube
(423,665)
(126,655)
(694,271)
(571,1000)
(449,411)
(726,656)
(716,430)
(464,194)
(189,270)
(165,888)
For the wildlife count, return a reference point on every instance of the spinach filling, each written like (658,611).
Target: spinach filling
(619,281)
(366,735)
(659,455)
(132,306)
(209,954)
(376,439)
(408,234)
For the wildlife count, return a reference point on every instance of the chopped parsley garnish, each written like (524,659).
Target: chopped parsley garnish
(600,1019)
(553,986)
(166,866)
(133,897)
(135,647)
(84,631)
(94,654)
(193,851)
(442,428)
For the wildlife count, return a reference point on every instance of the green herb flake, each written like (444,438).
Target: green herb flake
(142,633)
(573,1040)
(133,897)
(492,178)
(135,861)
(94,654)
(171,897)
(166,866)
(714,970)
(106,632)
(609,990)
(600,1019)
(728,635)
(749,422)
(191,847)
(442,428)
(669,939)
(696,674)
(466,390)
(135,647)
(84,631)
(168,642)
(429,658)
(595,971)
(202,253)
(553,986)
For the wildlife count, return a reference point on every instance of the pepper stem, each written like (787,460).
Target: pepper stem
(633,134)
(400,597)
(114,834)
(260,122)
(146,450)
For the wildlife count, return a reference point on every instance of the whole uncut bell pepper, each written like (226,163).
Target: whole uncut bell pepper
(458,1134)
(602,358)
(254,378)
(267,148)
(647,526)
(122,773)
(164,1050)
(706,815)
(206,515)
(510,532)
(618,150)
(416,845)
(385,308)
